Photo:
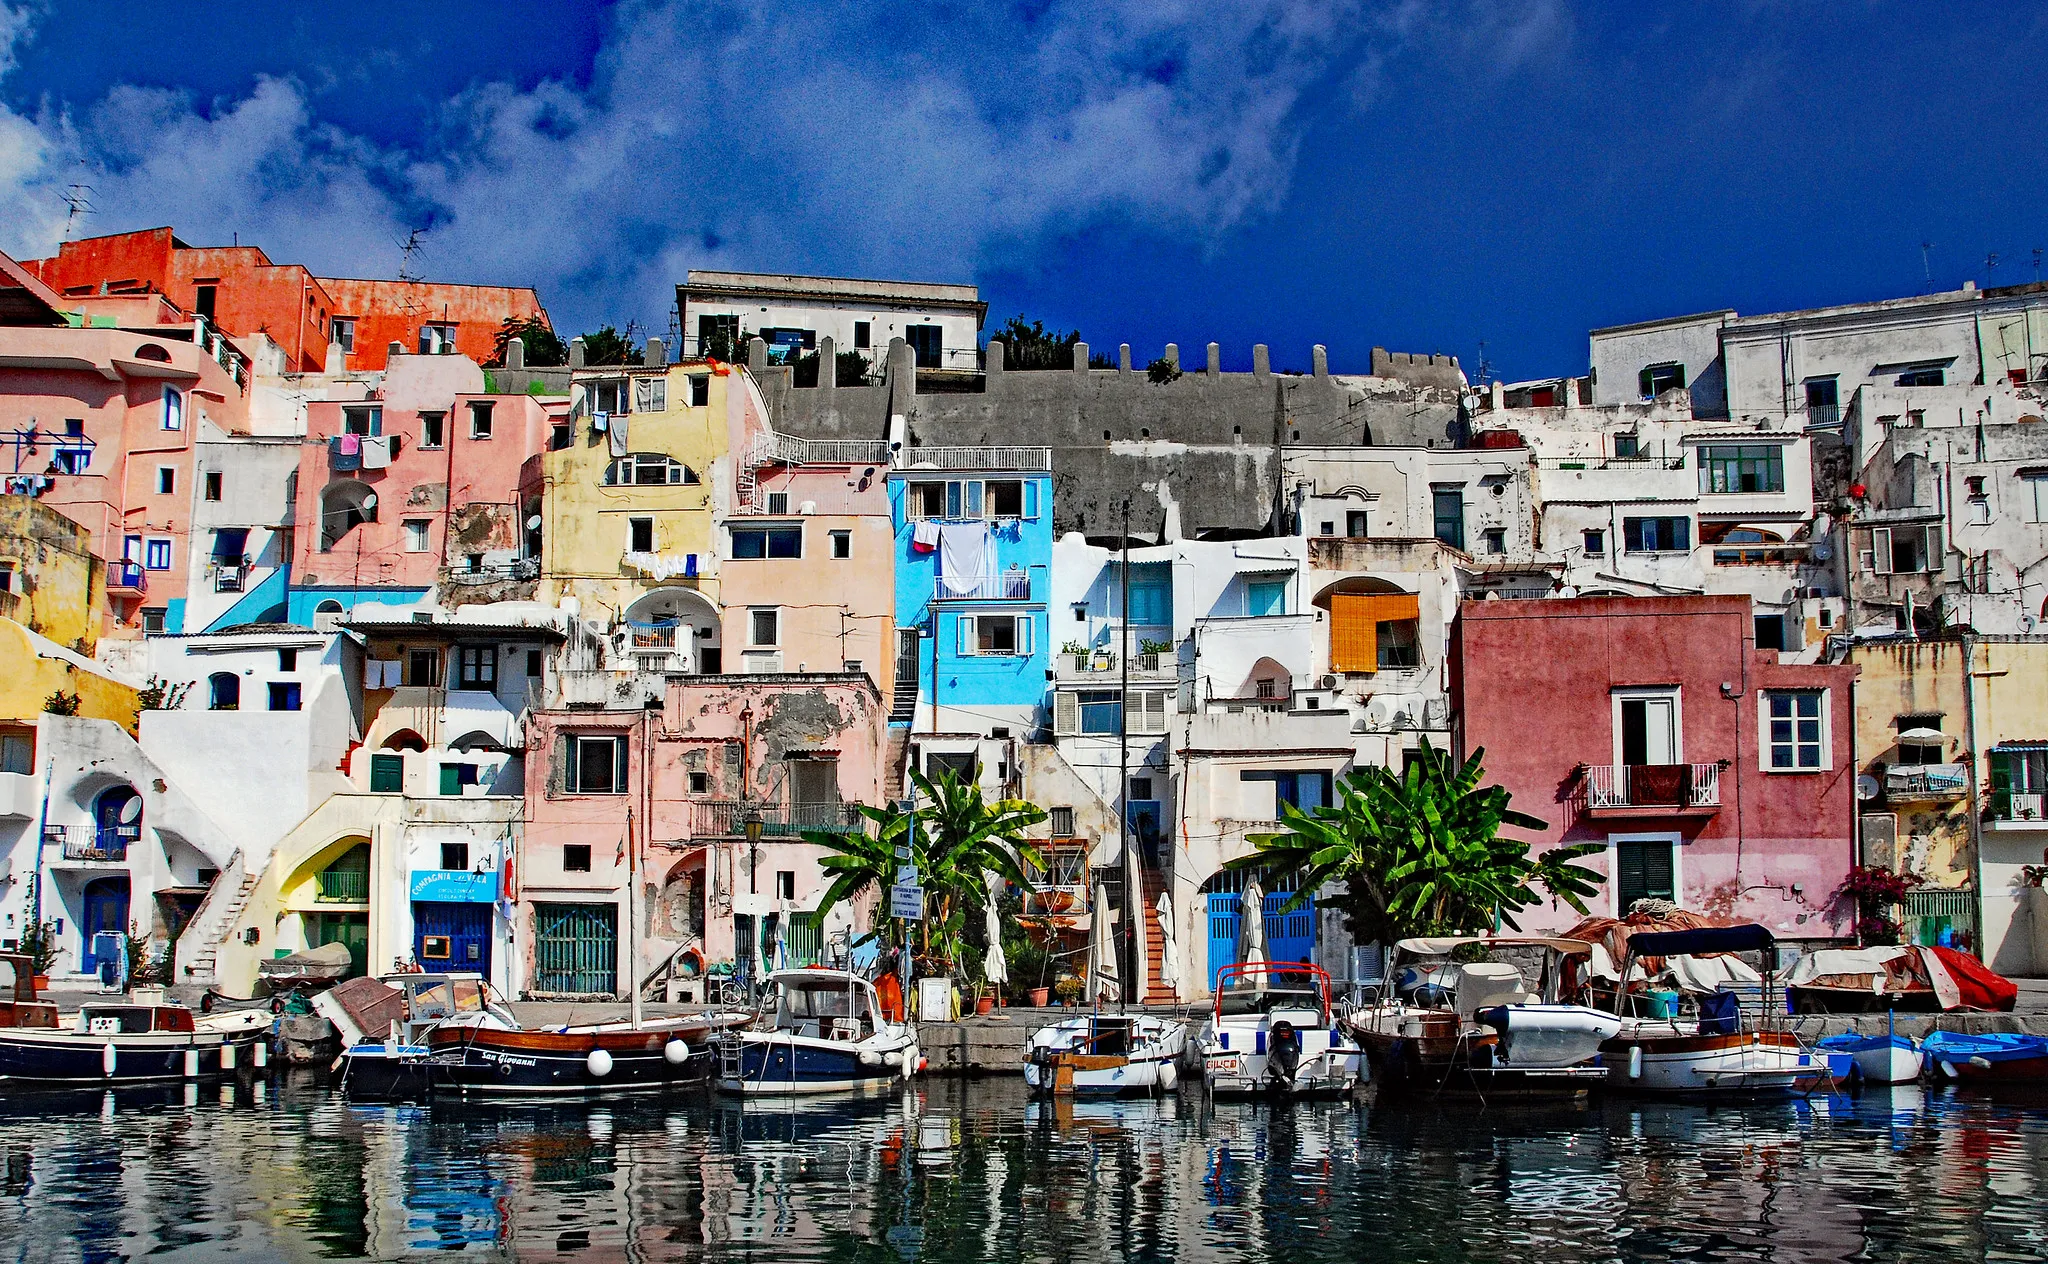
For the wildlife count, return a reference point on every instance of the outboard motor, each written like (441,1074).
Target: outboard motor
(1496,1017)
(1283,1051)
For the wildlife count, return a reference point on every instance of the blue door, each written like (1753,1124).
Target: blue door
(452,937)
(1290,936)
(105,912)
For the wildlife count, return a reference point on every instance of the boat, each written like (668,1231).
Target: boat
(1992,1059)
(384,1025)
(1271,1032)
(825,1033)
(1506,1023)
(1106,1053)
(481,1060)
(1900,979)
(117,1040)
(1712,1052)
(310,967)
(1885,1059)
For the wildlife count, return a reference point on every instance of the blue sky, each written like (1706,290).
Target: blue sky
(1416,175)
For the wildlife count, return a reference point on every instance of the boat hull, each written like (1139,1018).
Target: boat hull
(474,1062)
(1755,1064)
(64,1057)
(385,1073)
(1106,1055)
(1102,1075)
(2002,1061)
(781,1064)
(1236,1062)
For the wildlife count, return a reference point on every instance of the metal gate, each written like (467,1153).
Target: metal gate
(1930,913)
(804,940)
(452,936)
(576,948)
(1290,936)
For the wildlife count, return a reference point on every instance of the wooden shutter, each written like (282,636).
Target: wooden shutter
(1149,712)
(1066,712)
(1881,550)
(1641,871)
(1354,642)
(1935,560)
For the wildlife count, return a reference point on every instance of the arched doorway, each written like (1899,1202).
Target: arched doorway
(223,692)
(344,506)
(1374,625)
(103,910)
(340,892)
(117,822)
(676,622)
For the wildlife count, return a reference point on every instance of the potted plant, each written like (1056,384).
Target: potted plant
(1149,651)
(1078,652)
(1068,989)
(1105,660)
(39,945)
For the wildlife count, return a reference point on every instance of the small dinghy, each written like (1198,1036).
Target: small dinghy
(2008,1059)
(1886,1059)
(1106,1053)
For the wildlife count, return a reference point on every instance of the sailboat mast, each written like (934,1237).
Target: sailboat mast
(632,923)
(1132,965)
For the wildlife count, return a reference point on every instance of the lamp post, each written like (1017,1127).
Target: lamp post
(751,823)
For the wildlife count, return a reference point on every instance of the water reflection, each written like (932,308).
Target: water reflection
(974,1171)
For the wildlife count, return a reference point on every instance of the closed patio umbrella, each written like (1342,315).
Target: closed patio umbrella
(1102,977)
(1251,925)
(1169,951)
(993,967)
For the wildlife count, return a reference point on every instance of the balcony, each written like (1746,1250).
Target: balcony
(126,577)
(782,449)
(1653,789)
(1102,666)
(344,886)
(1255,728)
(93,844)
(1037,460)
(1011,585)
(2018,810)
(227,579)
(1926,783)
(726,818)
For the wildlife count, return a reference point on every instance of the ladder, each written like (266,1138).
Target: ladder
(729,1047)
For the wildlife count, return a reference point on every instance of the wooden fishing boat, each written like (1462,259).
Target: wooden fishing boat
(476,1060)
(114,1040)
(1990,1060)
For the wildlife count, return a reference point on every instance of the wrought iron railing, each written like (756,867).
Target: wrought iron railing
(727,817)
(344,886)
(1653,785)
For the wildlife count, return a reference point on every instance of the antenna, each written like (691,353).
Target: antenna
(2037,265)
(1925,271)
(409,250)
(1990,264)
(1485,365)
(78,201)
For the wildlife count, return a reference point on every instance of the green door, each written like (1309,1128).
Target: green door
(351,929)
(576,948)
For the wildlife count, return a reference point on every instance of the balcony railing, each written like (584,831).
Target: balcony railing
(1102,665)
(93,842)
(344,886)
(1033,459)
(796,450)
(728,818)
(1823,415)
(1009,586)
(227,579)
(1667,786)
(126,577)
(1925,782)
(2016,807)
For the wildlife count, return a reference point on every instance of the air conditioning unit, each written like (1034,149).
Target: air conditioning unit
(1327,681)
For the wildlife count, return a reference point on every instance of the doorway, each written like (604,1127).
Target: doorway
(452,937)
(1646,729)
(105,911)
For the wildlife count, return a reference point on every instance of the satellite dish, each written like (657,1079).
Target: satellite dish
(533,523)
(131,811)
(1867,787)
(370,501)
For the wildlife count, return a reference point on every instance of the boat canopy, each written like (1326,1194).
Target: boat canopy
(1443,946)
(1705,939)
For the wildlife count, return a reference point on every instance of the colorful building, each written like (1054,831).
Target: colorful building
(1713,773)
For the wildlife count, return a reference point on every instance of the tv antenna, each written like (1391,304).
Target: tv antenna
(1990,264)
(1926,272)
(2037,265)
(78,201)
(1485,365)
(409,250)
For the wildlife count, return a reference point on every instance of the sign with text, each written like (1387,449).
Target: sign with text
(454,886)
(907,903)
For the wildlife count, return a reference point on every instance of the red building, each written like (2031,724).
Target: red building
(242,291)
(1716,774)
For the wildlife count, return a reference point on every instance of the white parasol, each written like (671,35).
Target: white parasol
(1169,952)
(1251,923)
(993,967)
(1102,979)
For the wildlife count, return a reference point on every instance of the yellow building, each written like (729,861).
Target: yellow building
(632,495)
(50,581)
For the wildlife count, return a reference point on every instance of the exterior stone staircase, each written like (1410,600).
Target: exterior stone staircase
(1158,991)
(214,918)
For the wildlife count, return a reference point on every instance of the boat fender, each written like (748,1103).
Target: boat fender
(1982,1064)
(888,1059)
(922,1063)
(262,1052)
(869,1058)
(1635,1062)
(1949,1069)
(676,1052)
(227,1055)
(109,1054)
(1031,1075)
(1168,1077)
(599,1063)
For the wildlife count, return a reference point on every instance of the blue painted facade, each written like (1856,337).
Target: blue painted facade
(304,603)
(993,645)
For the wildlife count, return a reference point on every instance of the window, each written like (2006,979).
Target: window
(1399,644)
(387,773)
(416,535)
(343,334)
(971,498)
(284,695)
(1596,543)
(1448,505)
(611,397)
(203,298)
(995,635)
(2037,495)
(1656,535)
(1305,790)
(362,421)
(842,544)
(533,662)
(152,620)
(1770,631)
(1745,467)
(437,340)
(750,542)
(928,343)
(640,535)
(1647,727)
(223,692)
(212,485)
(595,765)
(174,408)
(1063,822)
(1655,379)
(778,502)
(650,394)
(1822,400)
(1266,687)
(287,660)
(575,857)
(700,390)
(1626,447)
(763,627)
(1265,597)
(1906,550)
(8,583)
(476,667)
(1918,753)
(1098,711)
(156,554)
(785,885)
(455,856)
(648,469)
(433,429)
(1924,375)
(166,480)
(863,338)
(1148,711)
(1643,870)
(1795,730)
(1004,499)
(479,421)
(700,783)
(1496,540)
(1354,524)
(423,669)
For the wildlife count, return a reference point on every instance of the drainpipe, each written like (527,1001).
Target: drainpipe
(1970,753)
(42,826)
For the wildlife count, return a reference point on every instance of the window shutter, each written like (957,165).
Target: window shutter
(966,625)
(1354,645)
(619,746)
(1151,712)
(1066,712)
(657,395)
(1936,560)
(565,764)
(1881,550)
(1030,498)
(973,498)
(1026,626)
(1628,877)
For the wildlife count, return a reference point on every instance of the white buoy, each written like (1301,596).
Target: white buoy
(227,1055)
(108,1056)
(869,1058)
(1635,1062)
(599,1063)
(191,1062)
(676,1052)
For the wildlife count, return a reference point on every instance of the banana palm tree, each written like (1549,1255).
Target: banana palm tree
(959,834)
(1420,852)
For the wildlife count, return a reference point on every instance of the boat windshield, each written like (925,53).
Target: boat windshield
(445,998)
(1264,996)
(823,998)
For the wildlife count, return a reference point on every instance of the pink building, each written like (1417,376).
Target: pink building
(795,750)
(101,401)
(1715,774)
(425,479)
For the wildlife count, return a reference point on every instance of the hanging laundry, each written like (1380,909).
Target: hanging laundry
(618,434)
(924,536)
(600,422)
(376,453)
(344,453)
(967,559)
(351,445)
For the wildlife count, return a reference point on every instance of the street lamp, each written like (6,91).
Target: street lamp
(751,823)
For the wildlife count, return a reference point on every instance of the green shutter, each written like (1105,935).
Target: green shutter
(2001,785)
(387,774)
(451,778)
(1641,871)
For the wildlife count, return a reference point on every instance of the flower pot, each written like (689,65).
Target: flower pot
(42,982)
(985,1005)
(1040,997)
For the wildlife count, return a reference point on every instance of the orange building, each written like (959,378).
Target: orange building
(239,289)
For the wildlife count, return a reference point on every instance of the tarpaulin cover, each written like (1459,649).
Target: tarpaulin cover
(1704,939)
(1977,986)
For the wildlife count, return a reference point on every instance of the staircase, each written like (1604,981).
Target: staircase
(214,918)
(893,766)
(1157,990)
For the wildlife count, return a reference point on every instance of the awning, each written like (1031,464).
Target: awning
(1688,943)
(1267,566)
(2020,747)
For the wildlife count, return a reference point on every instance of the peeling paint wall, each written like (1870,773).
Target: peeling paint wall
(59,586)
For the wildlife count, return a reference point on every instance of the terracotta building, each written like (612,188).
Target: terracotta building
(1718,775)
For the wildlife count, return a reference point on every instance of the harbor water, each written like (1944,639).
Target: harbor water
(976,1170)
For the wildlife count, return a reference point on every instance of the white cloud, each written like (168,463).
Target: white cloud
(858,139)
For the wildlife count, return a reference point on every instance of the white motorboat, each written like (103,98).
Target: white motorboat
(1271,1032)
(825,1033)
(1713,1052)
(1106,1053)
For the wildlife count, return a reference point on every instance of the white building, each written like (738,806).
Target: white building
(940,323)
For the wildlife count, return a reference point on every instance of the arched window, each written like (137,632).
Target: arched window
(648,469)
(329,606)
(344,506)
(405,740)
(117,821)
(224,692)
